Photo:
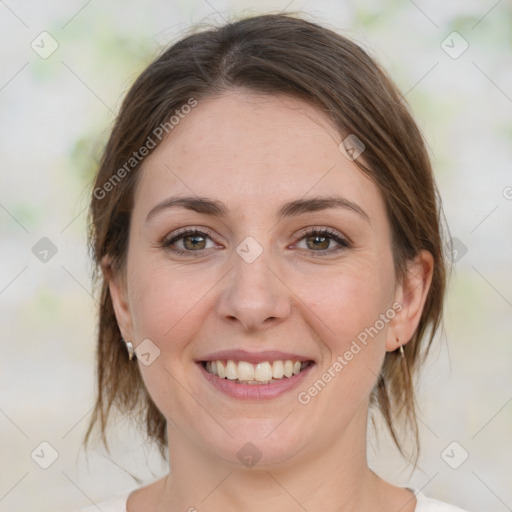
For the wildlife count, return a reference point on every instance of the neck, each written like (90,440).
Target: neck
(328,476)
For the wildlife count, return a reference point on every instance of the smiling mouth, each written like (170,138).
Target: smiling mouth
(243,372)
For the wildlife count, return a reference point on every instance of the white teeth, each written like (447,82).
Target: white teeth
(221,369)
(231,370)
(247,373)
(263,372)
(278,370)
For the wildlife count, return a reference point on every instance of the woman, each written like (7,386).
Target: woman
(267,227)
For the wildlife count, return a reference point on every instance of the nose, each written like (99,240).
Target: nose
(254,294)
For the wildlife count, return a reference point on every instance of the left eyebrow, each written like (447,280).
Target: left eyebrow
(293,208)
(314,204)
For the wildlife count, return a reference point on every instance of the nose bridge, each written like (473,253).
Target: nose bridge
(253,293)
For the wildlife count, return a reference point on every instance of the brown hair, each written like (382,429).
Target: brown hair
(273,53)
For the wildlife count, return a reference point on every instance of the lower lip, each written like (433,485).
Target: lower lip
(255,391)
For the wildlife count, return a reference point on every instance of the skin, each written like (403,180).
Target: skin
(254,153)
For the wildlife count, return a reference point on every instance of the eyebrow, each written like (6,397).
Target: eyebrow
(216,208)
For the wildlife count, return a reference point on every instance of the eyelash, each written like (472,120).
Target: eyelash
(343,243)
(167,242)
(325,232)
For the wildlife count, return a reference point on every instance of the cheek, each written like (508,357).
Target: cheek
(352,306)
(348,300)
(168,307)
(164,302)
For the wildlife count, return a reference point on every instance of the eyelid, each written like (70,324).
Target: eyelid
(327,230)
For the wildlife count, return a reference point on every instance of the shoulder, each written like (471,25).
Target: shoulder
(142,498)
(425,504)
(115,504)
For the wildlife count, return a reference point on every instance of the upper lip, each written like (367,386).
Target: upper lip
(253,357)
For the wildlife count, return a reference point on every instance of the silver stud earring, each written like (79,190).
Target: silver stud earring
(405,364)
(401,348)
(129,348)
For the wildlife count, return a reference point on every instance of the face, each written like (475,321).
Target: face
(264,277)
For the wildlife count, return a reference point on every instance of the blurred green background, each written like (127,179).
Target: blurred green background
(59,93)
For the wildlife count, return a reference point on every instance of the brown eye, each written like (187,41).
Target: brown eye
(187,242)
(321,240)
(192,242)
(318,242)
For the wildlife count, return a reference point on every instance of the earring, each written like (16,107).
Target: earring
(405,364)
(129,348)
(401,349)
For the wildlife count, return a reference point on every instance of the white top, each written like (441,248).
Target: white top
(424,504)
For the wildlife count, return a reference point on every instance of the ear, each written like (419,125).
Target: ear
(411,294)
(118,293)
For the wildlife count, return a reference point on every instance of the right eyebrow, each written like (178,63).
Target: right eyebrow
(196,204)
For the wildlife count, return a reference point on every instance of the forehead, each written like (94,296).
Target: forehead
(253,150)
